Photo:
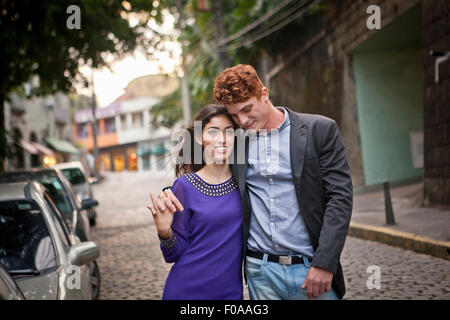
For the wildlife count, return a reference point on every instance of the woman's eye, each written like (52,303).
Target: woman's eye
(212,132)
(229,132)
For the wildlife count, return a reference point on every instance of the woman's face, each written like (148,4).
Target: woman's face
(218,139)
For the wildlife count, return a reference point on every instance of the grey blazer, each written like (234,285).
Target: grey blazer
(323,186)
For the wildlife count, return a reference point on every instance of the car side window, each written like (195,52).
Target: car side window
(58,194)
(59,222)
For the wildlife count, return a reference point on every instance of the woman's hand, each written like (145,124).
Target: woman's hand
(163,218)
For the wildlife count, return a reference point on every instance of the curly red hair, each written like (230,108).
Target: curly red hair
(237,84)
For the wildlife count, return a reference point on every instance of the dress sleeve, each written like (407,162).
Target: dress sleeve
(174,247)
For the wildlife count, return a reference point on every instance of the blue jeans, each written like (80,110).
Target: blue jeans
(274,281)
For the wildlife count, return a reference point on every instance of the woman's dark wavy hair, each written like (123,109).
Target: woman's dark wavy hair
(204,115)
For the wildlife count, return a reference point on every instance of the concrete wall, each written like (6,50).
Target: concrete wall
(389,94)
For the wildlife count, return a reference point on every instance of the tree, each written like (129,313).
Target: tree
(209,47)
(35,40)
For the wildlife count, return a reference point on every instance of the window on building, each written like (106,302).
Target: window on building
(82,130)
(60,128)
(146,162)
(138,121)
(123,122)
(110,125)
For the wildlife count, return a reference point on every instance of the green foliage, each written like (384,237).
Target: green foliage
(35,40)
(201,53)
(200,44)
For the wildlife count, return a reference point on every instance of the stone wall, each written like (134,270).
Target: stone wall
(312,71)
(436,36)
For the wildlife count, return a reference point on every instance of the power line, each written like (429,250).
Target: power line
(254,24)
(284,15)
(271,30)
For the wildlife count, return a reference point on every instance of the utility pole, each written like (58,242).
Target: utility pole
(186,99)
(224,59)
(94,124)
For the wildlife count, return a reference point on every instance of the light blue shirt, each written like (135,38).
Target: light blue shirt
(276,225)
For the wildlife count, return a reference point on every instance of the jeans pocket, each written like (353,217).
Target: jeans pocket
(253,267)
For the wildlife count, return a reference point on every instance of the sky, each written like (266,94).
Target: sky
(109,85)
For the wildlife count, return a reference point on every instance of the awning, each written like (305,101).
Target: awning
(144,152)
(159,149)
(61,146)
(28,147)
(42,149)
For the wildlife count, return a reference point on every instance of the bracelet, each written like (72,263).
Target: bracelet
(168,243)
(167,188)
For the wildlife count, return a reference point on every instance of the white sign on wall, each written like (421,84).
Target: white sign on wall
(416,140)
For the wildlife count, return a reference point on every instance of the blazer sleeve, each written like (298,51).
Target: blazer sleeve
(174,247)
(338,191)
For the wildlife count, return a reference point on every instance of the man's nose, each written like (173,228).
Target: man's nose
(243,120)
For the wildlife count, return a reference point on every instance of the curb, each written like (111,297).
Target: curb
(405,240)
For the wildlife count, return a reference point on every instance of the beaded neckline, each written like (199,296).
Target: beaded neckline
(213,190)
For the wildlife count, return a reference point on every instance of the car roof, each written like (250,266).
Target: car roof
(68,165)
(23,175)
(19,190)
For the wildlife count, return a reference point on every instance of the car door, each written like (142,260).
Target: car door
(8,287)
(82,228)
(74,288)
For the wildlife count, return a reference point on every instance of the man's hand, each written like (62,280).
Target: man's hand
(167,200)
(318,281)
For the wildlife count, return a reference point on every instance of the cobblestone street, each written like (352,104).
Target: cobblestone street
(132,266)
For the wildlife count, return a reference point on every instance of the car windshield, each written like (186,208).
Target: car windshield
(58,194)
(25,243)
(74,175)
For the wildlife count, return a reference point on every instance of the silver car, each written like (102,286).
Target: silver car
(78,177)
(64,197)
(8,287)
(46,260)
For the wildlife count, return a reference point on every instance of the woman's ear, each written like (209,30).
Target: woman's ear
(198,132)
(198,137)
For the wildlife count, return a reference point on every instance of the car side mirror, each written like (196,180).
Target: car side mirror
(88,203)
(83,253)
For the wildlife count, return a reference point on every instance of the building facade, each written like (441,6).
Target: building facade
(40,130)
(126,139)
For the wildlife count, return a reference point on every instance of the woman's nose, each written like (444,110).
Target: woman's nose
(221,137)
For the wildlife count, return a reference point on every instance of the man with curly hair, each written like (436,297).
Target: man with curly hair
(296,193)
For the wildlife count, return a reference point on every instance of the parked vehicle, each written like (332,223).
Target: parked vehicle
(37,248)
(8,287)
(69,205)
(79,178)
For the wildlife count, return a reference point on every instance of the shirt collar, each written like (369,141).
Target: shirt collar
(287,120)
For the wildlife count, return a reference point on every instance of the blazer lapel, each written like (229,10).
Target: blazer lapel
(298,139)
(239,169)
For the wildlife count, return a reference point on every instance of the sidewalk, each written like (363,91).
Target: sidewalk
(424,230)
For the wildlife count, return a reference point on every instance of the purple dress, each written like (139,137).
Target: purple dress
(206,244)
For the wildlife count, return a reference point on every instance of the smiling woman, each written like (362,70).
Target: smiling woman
(213,143)
(204,236)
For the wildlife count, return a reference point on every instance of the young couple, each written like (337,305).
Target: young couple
(284,212)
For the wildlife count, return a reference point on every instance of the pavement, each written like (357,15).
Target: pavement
(132,266)
(417,228)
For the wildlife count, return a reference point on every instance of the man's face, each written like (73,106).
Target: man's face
(250,114)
